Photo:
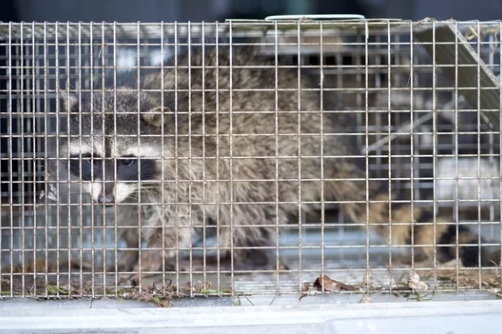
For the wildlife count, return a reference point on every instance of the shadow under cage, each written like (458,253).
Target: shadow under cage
(249,157)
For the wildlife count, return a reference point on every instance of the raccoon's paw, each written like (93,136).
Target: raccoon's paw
(127,260)
(150,265)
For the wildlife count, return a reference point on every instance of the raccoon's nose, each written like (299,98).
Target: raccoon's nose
(107,199)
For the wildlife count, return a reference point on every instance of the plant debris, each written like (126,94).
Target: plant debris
(366,299)
(415,284)
(163,294)
(327,284)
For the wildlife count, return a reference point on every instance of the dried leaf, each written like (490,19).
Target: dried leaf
(326,284)
(415,283)
(366,299)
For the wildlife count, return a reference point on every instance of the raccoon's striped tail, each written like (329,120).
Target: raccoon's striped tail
(432,239)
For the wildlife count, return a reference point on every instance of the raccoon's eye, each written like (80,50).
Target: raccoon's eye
(127,162)
(86,158)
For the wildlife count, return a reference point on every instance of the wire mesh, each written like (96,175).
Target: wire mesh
(249,157)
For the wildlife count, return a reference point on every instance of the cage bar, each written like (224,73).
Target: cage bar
(419,103)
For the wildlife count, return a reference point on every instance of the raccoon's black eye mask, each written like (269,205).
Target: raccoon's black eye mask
(129,168)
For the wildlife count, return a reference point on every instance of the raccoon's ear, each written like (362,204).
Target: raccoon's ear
(70,101)
(157,116)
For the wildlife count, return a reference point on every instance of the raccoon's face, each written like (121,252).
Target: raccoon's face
(112,147)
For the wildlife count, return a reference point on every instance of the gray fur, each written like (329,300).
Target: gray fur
(227,150)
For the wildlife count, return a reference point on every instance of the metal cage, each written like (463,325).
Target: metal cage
(424,104)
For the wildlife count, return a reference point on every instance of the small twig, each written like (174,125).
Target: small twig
(401,131)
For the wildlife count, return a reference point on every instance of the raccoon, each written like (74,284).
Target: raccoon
(228,139)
